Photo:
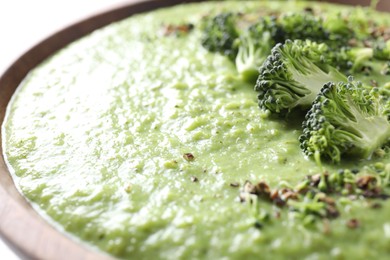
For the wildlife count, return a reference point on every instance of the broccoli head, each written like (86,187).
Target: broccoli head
(294,74)
(359,20)
(220,33)
(306,26)
(345,119)
(302,26)
(338,27)
(254,45)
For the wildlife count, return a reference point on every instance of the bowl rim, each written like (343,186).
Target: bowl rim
(28,234)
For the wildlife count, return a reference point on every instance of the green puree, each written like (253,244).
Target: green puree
(95,138)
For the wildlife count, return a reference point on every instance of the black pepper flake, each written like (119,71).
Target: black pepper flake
(353,223)
(128,188)
(178,30)
(308,9)
(194,179)
(315,180)
(375,205)
(189,157)
(374,83)
(366,182)
(366,70)
(258,225)
(353,42)
(332,211)
(316,196)
(234,184)
(355,171)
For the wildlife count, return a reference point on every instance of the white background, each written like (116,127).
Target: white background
(24,22)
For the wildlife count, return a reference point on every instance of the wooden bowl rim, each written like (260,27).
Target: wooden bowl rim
(26,232)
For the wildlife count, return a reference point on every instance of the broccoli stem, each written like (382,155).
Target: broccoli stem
(251,55)
(314,83)
(373,132)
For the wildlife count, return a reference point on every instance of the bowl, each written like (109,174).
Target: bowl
(27,233)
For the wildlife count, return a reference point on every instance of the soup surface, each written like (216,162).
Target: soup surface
(135,141)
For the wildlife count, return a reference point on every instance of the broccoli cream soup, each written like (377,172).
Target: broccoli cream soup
(144,144)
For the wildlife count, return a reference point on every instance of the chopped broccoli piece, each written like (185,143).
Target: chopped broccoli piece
(241,39)
(302,26)
(358,19)
(220,33)
(354,59)
(335,24)
(382,50)
(306,26)
(345,118)
(366,61)
(294,74)
(253,48)
(247,39)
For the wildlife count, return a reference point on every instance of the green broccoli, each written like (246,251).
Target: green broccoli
(294,74)
(382,50)
(353,59)
(332,31)
(220,33)
(247,40)
(295,26)
(254,46)
(337,27)
(359,20)
(243,39)
(345,118)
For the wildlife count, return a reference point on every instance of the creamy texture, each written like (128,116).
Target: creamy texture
(95,138)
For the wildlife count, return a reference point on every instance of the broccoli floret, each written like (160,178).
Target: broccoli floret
(359,20)
(220,33)
(367,61)
(294,74)
(306,26)
(382,50)
(345,119)
(241,39)
(335,24)
(354,59)
(254,46)
(301,26)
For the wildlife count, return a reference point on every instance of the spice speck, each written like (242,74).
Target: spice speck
(353,223)
(189,157)
(234,184)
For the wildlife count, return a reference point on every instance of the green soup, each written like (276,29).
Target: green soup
(95,138)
